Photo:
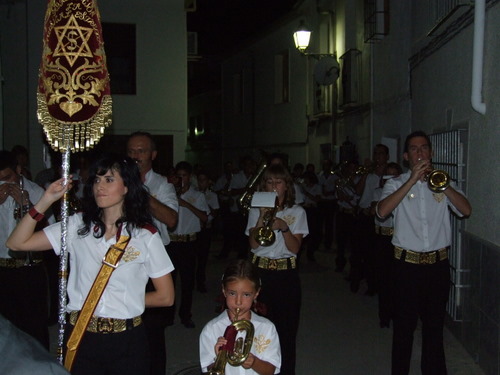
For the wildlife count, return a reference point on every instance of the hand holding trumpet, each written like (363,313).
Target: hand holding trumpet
(420,170)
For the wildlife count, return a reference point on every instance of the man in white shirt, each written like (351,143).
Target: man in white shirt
(164,206)
(364,249)
(328,205)
(421,239)
(193,213)
(234,237)
(23,280)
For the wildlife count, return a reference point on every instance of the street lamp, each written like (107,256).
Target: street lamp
(301,37)
(327,70)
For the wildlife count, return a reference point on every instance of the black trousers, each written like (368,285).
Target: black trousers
(203,249)
(312,241)
(24,300)
(363,252)
(383,277)
(281,293)
(234,225)
(345,233)
(120,353)
(420,291)
(327,210)
(156,320)
(183,255)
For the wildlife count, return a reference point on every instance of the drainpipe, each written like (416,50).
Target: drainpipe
(477,57)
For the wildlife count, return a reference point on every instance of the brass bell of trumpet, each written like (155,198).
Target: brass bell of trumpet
(236,351)
(265,235)
(437,180)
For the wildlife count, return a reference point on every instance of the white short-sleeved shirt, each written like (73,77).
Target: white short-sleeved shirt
(350,192)
(239,181)
(296,219)
(299,195)
(265,346)
(372,182)
(188,222)
(314,190)
(328,184)
(387,222)
(8,223)
(124,297)
(213,203)
(422,218)
(164,191)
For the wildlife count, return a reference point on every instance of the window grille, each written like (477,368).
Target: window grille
(450,155)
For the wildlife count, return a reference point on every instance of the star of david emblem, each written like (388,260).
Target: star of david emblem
(72,41)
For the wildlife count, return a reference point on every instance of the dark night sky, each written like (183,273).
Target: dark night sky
(223,23)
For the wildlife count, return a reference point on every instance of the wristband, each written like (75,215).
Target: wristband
(37,216)
(286,230)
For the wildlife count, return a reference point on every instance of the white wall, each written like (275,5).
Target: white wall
(443,82)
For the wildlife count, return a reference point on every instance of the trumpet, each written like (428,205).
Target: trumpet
(265,235)
(363,169)
(437,180)
(236,350)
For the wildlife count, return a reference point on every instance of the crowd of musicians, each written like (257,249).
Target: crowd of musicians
(333,209)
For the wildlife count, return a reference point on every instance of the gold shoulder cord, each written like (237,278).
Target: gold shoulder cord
(111,259)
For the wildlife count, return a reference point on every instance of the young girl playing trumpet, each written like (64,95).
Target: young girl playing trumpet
(241,287)
(277,262)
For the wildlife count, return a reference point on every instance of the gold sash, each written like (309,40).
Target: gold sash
(111,259)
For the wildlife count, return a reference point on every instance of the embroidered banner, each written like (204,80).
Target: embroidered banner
(74,100)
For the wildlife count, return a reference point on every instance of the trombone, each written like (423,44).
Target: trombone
(246,199)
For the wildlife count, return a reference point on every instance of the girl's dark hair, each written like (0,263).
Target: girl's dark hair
(279,171)
(240,269)
(136,212)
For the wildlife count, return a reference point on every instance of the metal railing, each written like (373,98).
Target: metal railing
(450,155)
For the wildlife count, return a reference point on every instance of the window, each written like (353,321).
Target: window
(281,78)
(119,45)
(377,20)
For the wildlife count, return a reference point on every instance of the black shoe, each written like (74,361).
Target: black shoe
(370,292)
(188,323)
(221,256)
(339,269)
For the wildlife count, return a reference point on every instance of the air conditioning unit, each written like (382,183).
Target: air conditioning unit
(192,43)
(350,90)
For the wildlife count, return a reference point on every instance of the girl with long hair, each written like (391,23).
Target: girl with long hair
(277,262)
(115,204)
